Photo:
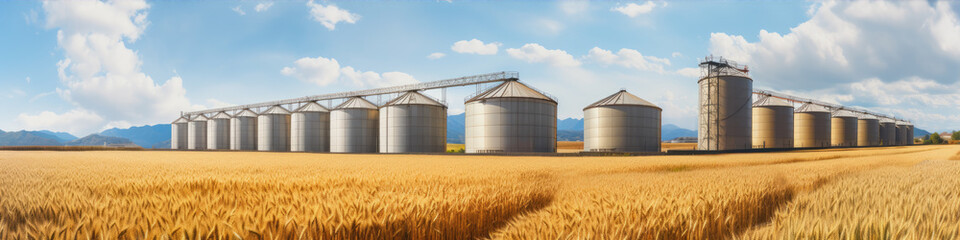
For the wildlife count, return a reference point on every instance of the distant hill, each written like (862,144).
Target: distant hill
(574,124)
(920,133)
(456,127)
(64,137)
(670,131)
(144,136)
(98,140)
(570,135)
(28,138)
(162,145)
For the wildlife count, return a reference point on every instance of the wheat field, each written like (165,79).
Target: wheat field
(874,193)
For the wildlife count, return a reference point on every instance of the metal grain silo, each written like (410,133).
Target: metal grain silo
(354,127)
(725,117)
(868,130)
(902,133)
(843,131)
(243,131)
(310,129)
(811,126)
(511,117)
(273,130)
(178,133)
(909,133)
(888,132)
(197,133)
(218,131)
(772,123)
(413,122)
(621,122)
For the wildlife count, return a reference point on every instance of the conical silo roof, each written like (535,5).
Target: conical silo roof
(357,102)
(511,89)
(866,116)
(199,117)
(275,110)
(182,119)
(221,115)
(768,101)
(622,98)
(843,113)
(312,107)
(807,107)
(246,113)
(887,120)
(413,98)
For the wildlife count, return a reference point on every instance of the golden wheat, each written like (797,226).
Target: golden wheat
(229,195)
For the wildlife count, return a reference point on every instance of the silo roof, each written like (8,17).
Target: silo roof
(622,98)
(887,120)
(181,120)
(866,116)
(312,107)
(199,118)
(768,101)
(413,98)
(221,115)
(357,102)
(807,107)
(246,113)
(275,110)
(844,113)
(511,89)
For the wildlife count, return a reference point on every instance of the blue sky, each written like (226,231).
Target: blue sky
(129,63)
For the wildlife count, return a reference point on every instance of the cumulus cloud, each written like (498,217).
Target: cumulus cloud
(689,72)
(99,73)
(574,7)
(475,46)
(634,10)
(329,15)
(871,51)
(436,55)
(628,58)
(264,6)
(78,122)
(325,71)
(534,53)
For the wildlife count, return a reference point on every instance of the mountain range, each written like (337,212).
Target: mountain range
(158,136)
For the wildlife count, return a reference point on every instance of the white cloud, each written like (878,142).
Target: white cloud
(78,122)
(239,10)
(117,125)
(323,71)
(41,95)
(475,46)
(676,54)
(574,7)
(628,58)
(264,6)
(99,73)
(534,53)
(330,15)
(436,55)
(28,80)
(319,70)
(634,10)
(549,26)
(689,72)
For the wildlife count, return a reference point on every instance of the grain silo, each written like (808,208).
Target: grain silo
(243,131)
(888,132)
(909,133)
(178,133)
(868,130)
(725,117)
(197,133)
(511,117)
(811,126)
(273,130)
(354,127)
(772,123)
(843,132)
(621,122)
(310,129)
(218,132)
(902,133)
(413,122)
